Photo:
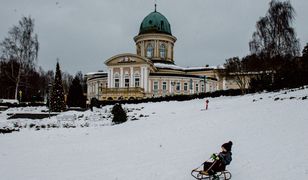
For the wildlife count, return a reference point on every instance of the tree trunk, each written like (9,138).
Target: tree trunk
(17,83)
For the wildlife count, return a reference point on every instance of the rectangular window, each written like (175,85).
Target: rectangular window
(197,87)
(137,82)
(155,86)
(202,87)
(116,83)
(164,86)
(126,81)
(185,86)
(178,86)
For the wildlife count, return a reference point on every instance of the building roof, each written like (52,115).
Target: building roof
(175,67)
(155,22)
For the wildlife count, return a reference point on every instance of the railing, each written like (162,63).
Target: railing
(116,93)
(122,90)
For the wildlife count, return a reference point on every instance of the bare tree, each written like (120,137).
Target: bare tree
(22,46)
(236,69)
(274,35)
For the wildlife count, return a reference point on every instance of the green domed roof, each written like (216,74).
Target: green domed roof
(155,22)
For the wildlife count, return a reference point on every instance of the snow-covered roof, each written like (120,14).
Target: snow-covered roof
(95,73)
(175,67)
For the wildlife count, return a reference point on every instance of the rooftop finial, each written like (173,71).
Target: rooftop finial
(155,4)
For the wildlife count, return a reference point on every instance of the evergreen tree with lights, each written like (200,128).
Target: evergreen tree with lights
(57,103)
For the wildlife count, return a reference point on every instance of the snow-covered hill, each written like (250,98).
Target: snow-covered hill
(269,132)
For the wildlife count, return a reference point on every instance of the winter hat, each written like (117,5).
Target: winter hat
(227,145)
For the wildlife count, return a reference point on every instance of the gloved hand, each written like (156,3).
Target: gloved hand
(214,157)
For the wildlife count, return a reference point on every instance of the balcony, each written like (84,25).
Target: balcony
(121,93)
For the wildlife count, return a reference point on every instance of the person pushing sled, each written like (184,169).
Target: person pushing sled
(216,169)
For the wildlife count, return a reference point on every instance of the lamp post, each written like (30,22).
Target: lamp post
(49,89)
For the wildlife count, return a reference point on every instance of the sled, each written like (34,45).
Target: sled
(203,175)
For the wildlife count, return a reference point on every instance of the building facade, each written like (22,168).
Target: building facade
(152,71)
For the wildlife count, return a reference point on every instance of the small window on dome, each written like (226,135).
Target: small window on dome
(150,51)
(162,51)
(162,24)
(150,22)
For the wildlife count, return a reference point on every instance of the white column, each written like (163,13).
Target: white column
(146,79)
(109,77)
(121,77)
(142,77)
(110,84)
(132,77)
(192,91)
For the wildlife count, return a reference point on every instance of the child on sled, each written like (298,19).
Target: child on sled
(220,161)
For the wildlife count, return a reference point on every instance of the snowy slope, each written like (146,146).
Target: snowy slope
(269,136)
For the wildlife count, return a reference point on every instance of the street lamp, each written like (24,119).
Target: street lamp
(49,89)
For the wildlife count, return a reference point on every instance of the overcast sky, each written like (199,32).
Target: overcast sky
(85,33)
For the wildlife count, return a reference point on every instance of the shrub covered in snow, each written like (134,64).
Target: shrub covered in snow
(119,114)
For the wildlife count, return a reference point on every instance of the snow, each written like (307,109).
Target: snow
(175,67)
(268,130)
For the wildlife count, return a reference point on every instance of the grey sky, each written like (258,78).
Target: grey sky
(85,33)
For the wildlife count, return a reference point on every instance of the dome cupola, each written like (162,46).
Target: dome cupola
(155,40)
(155,22)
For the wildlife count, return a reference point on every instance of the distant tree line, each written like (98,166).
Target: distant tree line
(274,61)
(20,78)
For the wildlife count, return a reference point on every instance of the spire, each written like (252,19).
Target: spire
(155,5)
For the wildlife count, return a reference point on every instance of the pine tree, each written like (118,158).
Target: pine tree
(75,97)
(57,103)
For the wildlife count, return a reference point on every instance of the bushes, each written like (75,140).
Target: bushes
(119,114)
(230,92)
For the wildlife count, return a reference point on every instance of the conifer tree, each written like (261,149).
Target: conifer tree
(57,103)
(75,97)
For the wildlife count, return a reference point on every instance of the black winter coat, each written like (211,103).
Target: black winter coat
(225,157)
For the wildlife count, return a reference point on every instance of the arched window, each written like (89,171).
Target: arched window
(162,51)
(150,51)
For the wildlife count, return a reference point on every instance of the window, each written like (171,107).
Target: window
(162,51)
(137,80)
(202,87)
(126,80)
(178,86)
(116,83)
(164,86)
(116,80)
(197,87)
(185,86)
(155,86)
(150,51)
